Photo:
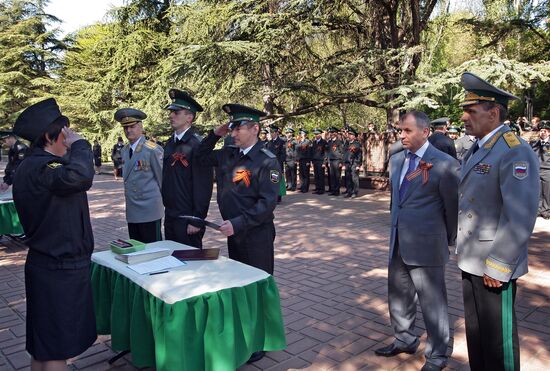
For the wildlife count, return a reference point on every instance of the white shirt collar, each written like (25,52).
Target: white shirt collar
(483,140)
(420,152)
(180,135)
(245,151)
(134,146)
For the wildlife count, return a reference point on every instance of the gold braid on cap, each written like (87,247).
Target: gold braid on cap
(473,98)
(128,120)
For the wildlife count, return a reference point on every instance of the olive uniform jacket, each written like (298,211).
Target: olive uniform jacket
(498,200)
(142,182)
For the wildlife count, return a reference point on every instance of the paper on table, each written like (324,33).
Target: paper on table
(147,250)
(157,265)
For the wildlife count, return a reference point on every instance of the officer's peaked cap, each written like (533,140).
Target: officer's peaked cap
(442,121)
(180,99)
(34,120)
(242,115)
(129,116)
(479,91)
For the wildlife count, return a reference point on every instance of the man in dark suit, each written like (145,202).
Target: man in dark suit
(277,146)
(439,138)
(424,183)
(318,155)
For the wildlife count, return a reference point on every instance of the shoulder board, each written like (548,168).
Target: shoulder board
(198,137)
(150,144)
(511,139)
(491,142)
(268,153)
(54,164)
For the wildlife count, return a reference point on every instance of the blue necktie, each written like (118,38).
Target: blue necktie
(405,183)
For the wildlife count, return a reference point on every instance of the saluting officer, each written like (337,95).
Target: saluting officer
(318,158)
(142,174)
(439,137)
(498,200)
(250,175)
(277,146)
(353,159)
(290,161)
(303,155)
(186,187)
(542,149)
(335,155)
(16,154)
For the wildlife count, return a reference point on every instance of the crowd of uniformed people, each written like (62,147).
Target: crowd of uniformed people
(253,169)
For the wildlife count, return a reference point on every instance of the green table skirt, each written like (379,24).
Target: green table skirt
(9,220)
(213,331)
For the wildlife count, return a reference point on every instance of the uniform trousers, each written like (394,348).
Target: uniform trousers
(304,175)
(145,232)
(175,229)
(291,175)
(254,247)
(335,175)
(491,327)
(544,205)
(352,180)
(319,175)
(407,285)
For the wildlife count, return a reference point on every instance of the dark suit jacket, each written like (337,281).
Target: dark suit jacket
(443,143)
(424,222)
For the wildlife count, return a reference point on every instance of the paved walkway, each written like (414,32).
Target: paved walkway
(331,256)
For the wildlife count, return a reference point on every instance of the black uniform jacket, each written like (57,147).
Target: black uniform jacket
(50,197)
(354,154)
(318,149)
(277,147)
(186,186)
(335,150)
(16,154)
(249,185)
(443,143)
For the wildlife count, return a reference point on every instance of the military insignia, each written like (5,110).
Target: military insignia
(54,165)
(482,168)
(274,176)
(243,175)
(511,139)
(520,170)
(491,142)
(150,144)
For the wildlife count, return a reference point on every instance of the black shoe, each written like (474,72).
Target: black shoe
(347,195)
(336,194)
(392,350)
(431,367)
(279,199)
(256,356)
(353,195)
(293,189)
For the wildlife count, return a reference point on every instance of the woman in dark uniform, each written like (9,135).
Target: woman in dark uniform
(49,193)
(96,149)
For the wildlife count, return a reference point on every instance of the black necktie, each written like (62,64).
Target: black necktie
(131,152)
(476,147)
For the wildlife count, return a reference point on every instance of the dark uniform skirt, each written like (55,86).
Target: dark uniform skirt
(60,315)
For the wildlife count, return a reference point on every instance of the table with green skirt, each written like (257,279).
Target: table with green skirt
(9,220)
(206,315)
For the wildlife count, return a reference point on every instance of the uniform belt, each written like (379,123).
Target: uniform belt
(36,258)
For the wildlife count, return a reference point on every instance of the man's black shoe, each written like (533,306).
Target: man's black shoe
(431,367)
(392,350)
(256,356)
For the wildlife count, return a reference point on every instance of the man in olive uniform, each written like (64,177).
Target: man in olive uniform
(318,157)
(16,154)
(186,187)
(439,137)
(335,155)
(142,174)
(353,159)
(277,146)
(290,161)
(498,201)
(250,174)
(542,150)
(303,155)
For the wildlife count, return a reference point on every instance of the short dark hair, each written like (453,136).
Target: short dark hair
(502,111)
(422,120)
(53,131)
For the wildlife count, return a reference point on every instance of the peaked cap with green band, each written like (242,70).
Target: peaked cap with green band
(129,116)
(317,131)
(181,99)
(479,91)
(242,114)
(442,121)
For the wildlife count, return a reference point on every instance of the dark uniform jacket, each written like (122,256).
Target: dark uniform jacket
(354,154)
(335,150)
(443,143)
(318,149)
(250,185)
(543,153)
(116,155)
(303,150)
(16,154)
(277,147)
(50,197)
(186,187)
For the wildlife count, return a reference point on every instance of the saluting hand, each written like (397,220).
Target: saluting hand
(491,282)
(222,130)
(226,228)
(70,136)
